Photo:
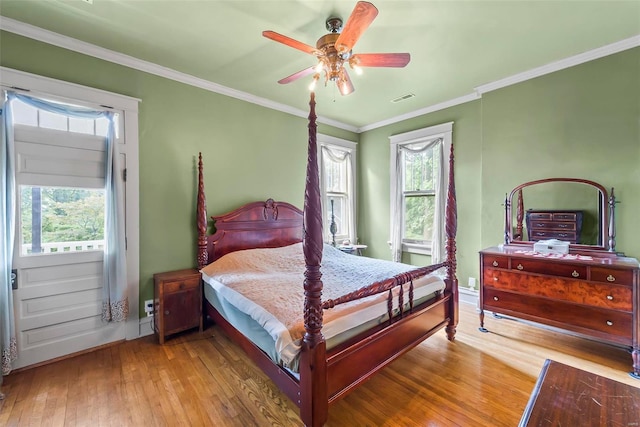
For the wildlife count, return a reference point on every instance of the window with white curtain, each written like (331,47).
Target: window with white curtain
(337,159)
(419,176)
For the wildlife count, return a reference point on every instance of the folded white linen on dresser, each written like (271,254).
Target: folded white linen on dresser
(267,285)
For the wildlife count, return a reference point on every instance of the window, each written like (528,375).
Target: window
(61,183)
(57,220)
(337,159)
(418,186)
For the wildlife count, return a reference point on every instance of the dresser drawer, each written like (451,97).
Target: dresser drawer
(545,235)
(575,291)
(565,216)
(608,275)
(551,226)
(615,325)
(540,216)
(539,266)
(495,261)
(181,285)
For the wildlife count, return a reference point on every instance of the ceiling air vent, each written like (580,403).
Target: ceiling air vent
(403,97)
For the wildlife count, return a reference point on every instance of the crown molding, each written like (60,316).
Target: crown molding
(430,109)
(46,36)
(69,43)
(562,64)
(552,67)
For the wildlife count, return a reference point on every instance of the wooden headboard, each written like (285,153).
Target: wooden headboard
(267,224)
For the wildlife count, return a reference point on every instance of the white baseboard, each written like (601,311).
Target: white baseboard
(146,326)
(468,296)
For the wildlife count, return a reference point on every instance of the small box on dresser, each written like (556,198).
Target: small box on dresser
(178,302)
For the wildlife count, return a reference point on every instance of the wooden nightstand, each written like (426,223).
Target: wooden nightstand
(178,302)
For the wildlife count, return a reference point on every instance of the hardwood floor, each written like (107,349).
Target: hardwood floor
(202,379)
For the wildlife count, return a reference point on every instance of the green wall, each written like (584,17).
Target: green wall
(582,122)
(250,152)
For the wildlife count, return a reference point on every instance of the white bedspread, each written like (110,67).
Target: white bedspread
(267,284)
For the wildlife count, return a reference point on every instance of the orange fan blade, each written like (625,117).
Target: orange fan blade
(296,76)
(380,59)
(345,85)
(290,42)
(362,16)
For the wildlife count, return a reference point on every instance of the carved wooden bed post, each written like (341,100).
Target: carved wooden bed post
(314,404)
(201,218)
(451,227)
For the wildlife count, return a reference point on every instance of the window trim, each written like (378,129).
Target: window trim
(444,131)
(343,144)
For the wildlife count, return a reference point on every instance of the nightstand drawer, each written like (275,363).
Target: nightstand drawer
(181,285)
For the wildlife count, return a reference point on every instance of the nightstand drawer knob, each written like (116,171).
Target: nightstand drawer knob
(496,298)
(166,313)
(575,274)
(520,267)
(182,285)
(611,278)
(495,279)
(495,263)
(610,297)
(609,323)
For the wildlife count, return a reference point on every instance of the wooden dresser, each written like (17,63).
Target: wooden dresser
(594,297)
(561,225)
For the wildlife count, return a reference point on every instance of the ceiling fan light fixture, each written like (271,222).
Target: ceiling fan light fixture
(335,49)
(314,82)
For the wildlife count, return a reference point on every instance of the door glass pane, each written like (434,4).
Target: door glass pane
(418,218)
(52,121)
(24,114)
(55,219)
(80,125)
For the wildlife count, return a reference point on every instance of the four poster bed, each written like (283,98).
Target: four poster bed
(316,363)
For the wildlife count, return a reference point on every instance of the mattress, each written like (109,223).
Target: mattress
(253,289)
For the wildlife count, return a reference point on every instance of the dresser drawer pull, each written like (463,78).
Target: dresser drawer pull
(166,313)
(181,285)
(520,267)
(610,297)
(495,263)
(575,274)
(495,279)
(496,298)
(609,323)
(611,278)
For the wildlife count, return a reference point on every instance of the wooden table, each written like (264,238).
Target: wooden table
(566,396)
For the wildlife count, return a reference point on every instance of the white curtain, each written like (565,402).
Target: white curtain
(115,304)
(339,156)
(437,240)
(8,347)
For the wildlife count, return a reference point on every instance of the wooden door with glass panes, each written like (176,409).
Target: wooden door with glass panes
(59,235)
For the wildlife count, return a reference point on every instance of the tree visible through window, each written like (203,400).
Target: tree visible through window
(419,190)
(61,219)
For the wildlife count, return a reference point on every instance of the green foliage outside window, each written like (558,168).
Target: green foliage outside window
(67,214)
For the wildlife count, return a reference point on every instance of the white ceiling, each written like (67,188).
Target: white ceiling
(456,46)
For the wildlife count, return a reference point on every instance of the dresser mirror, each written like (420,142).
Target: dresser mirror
(577,211)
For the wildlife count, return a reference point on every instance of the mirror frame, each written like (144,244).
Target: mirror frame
(606,208)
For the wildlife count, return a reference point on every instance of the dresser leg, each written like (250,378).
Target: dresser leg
(635,355)
(482,328)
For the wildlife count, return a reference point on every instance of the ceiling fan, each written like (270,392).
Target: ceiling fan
(334,50)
